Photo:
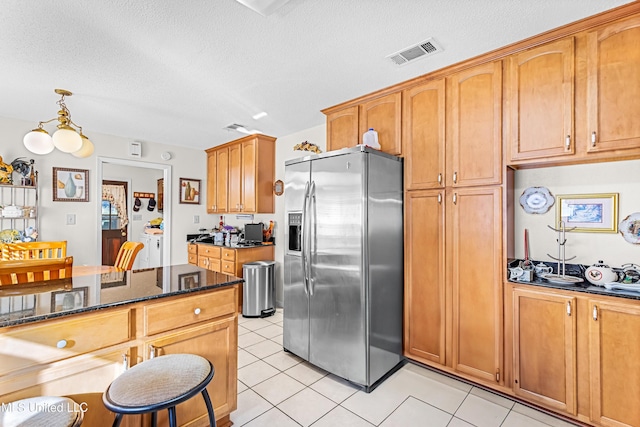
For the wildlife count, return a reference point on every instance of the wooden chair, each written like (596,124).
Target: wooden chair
(127,255)
(15,272)
(33,250)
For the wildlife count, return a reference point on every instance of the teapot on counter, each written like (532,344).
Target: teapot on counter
(600,273)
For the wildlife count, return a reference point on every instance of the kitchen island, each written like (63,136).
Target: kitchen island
(72,337)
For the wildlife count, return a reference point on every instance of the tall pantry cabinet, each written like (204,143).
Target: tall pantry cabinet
(452,135)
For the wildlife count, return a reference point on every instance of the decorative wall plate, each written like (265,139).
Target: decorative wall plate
(536,200)
(630,228)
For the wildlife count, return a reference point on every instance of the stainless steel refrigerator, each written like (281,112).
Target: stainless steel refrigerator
(343,264)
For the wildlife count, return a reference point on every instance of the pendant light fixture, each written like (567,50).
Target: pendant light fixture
(68,138)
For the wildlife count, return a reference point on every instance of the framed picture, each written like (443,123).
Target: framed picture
(69,300)
(189,280)
(594,213)
(70,185)
(190,191)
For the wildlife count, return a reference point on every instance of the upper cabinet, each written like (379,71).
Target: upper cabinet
(345,126)
(240,176)
(474,126)
(613,92)
(540,92)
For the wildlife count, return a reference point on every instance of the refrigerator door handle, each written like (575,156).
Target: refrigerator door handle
(312,235)
(303,253)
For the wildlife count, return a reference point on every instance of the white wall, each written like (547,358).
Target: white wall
(613,177)
(82,237)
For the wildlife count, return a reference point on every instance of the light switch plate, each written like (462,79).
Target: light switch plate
(71,219)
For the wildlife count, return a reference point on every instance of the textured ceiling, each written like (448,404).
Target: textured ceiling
(178,72)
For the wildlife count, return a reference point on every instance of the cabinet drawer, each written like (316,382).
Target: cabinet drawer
(44,343)
(193,259)
(229,267)
(185,311)
(210,251)
(192,248)
(229,254)
(214,265)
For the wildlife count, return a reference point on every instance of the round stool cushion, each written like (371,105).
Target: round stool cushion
(42,411)
(158,380)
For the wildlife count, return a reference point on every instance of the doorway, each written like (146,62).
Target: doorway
(166,212)
(114,232)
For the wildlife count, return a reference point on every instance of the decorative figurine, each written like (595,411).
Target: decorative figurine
(5,172)
(26,169)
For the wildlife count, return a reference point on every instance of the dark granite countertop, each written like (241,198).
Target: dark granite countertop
(95,292)
(576,270)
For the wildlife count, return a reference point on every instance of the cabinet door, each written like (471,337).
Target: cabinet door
(217,342)
(423,136)
(475,230)
(222,180)
(424,323)
(541,103)
(235,178)
(212,172)
(544,347)
(342,129)
(613,93)
(474,124)
(614,351)
(384,114)
(249,201)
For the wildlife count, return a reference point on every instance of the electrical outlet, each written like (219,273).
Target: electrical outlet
(196,219)
(71,219)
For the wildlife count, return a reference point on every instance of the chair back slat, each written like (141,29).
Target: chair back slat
(15,272)
(33,250)
(127,255)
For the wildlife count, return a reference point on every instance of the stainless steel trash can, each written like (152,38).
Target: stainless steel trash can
(259,288)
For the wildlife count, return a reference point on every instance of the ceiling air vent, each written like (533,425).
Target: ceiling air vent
(420,50)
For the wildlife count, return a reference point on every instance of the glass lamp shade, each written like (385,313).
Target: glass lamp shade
(66,139)
(86,150)
(38,141)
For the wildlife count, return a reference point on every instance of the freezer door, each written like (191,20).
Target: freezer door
(296,301)
(337,301)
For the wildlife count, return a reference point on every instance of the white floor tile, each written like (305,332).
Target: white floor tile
(436,376)
(340,417)
(278,388)
(250,406)
(242,319)
(272,418)
(457,422)
(306,407)
(256,372)
(481,412)
(540,416)
(282,360)
(277,317)
(413,412)
(306,373)
(242,330)
(269,331)
(335,388)
(256,323)
(245,358)
(277,339)
(241,387)
(515,419)
(492,397)
(375,406)
(250,338)
(263,349)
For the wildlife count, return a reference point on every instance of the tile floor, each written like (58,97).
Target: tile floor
(278,389)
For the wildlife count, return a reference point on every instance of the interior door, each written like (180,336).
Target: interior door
(112,235)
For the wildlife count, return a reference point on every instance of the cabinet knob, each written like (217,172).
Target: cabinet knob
(152,351)
(125,361)
(196,311)
(61,344)
(455,177)
(569,308)
(455,198)
(593,139)
(567,142)
(439,179)
(595,312)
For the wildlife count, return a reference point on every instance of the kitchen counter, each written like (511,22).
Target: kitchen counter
(576,270)
(20,304)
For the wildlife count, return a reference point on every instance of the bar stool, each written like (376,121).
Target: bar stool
(42,411)
(160,383)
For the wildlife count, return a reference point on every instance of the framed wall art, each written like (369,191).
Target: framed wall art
(593,213)
(190,191)
(70,185)
(69,300)
(189,280)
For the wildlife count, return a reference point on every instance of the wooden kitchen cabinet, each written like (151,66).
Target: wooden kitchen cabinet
(192,253)
(614,352)
(346,125)
(613,95)
(424,295)
(423,135)
(209,257)
(240,179)
(540,95)
(544,348)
